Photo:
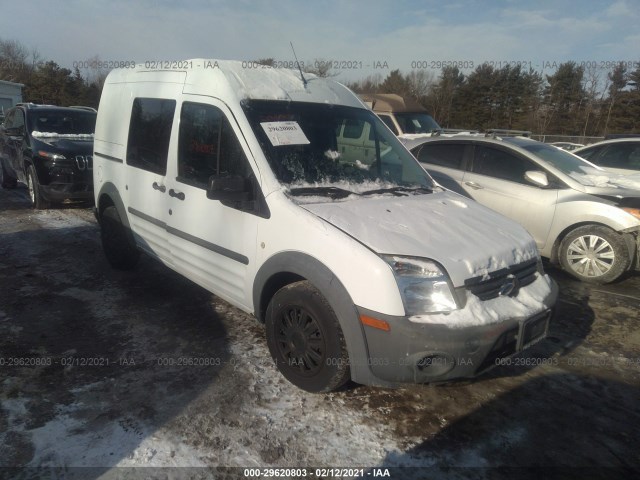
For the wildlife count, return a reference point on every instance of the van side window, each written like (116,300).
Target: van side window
(208,146)
(149,134)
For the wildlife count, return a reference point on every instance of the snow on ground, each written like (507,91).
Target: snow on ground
(245,418)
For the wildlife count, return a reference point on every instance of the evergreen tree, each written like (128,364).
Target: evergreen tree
(564,98)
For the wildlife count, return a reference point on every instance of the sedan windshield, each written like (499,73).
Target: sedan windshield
(332,150)
(564,161)
(63,122)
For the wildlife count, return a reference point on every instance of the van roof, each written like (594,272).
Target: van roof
(390,102)
(240,80)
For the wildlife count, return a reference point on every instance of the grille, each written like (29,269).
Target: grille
(486,288)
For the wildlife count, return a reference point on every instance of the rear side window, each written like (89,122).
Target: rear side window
(499,164)
(208,146)
(149,134)
(444,155)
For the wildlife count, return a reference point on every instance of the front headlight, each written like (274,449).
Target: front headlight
(51,156)
(423,285)
(632,211)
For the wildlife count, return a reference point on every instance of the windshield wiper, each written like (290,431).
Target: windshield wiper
(399,191)
(332,192)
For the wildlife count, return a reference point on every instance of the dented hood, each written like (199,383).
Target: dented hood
(466,238)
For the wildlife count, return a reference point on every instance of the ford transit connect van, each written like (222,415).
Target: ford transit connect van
(366,270)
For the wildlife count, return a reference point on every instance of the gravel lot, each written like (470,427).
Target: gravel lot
(103,371)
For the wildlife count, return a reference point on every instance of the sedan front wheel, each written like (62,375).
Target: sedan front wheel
(594,254)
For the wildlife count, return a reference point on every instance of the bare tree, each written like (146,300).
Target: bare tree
(421,82)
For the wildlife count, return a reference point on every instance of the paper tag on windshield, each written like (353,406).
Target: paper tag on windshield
(285,133)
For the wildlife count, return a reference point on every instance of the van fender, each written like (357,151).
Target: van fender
(287,267)
(110,191)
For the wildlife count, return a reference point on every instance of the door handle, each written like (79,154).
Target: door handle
(473,185)
(174,194)
(162,188)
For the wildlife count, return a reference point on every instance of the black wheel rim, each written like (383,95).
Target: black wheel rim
(300,341)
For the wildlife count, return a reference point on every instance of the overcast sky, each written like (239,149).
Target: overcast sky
(361,34)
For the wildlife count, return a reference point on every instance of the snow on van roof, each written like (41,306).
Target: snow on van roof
(262,81)
(244,80)
(254,81)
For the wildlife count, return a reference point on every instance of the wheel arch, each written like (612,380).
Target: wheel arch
(110,196)
(628,238)
(289,267)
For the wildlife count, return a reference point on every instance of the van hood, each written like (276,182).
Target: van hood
(467,239)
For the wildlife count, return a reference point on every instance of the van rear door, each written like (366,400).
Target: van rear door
(150,133)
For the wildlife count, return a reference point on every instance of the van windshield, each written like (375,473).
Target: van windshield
(332,148)
(417,123)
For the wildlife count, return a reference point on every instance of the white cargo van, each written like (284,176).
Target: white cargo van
(366,270)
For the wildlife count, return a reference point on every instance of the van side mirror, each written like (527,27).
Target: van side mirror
(538,178)
(230,188)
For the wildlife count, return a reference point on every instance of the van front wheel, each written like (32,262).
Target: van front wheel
(120,252)
(305,339)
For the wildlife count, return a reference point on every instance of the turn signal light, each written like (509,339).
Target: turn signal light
(375,323)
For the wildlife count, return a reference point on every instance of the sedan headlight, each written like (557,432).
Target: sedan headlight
(632,211)
(51,156)
(423,285)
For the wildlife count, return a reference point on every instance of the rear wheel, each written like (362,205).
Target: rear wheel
(121,253)
(594,254)
(35,191)
(305,339)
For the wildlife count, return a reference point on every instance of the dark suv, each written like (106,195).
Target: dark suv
(50,149)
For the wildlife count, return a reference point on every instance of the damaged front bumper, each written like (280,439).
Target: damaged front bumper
(411,352)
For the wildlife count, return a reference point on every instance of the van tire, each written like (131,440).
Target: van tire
(607,246)
(35,193)
(120,252)
(305,339)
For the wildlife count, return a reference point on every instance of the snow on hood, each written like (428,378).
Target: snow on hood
(602,178)
(468,239)
(69,136)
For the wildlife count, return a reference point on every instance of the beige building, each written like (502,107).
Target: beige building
(10,94)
